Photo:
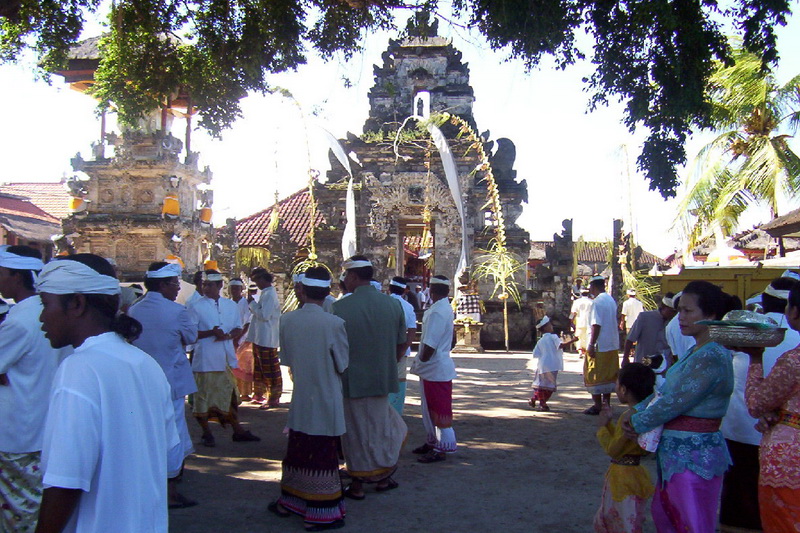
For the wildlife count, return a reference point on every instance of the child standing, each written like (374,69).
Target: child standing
(627,486)
(550,359)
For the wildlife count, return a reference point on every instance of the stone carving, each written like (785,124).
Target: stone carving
(389,201)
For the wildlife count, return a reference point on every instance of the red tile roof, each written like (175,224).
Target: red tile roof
(294,218)
(49,197)
(14,205)
(597,252)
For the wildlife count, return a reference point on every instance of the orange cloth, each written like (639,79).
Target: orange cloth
(780,509)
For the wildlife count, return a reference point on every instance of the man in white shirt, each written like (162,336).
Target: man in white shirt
(679,344)
(436,371)
(244,349)
(218,323)
(601,365)
(263,333)
(167,327)
(631,308)
(397,287)
(579,315)
(27,366)
(110,429)
(773,300)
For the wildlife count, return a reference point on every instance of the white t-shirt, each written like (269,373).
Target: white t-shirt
(679,343)
(737,424)
(548,353)
(581,309)
(631,309)
(437,332)
(790,340)
(411,323)
(211,355)
(604,313)
(244,311)
(109,430)
(265,322)
(30,364)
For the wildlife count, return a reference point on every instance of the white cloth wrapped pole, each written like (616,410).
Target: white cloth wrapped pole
(349,235)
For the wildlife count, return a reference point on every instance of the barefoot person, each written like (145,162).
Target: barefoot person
(436,371)
(167,328)
(111,425)
(314,346)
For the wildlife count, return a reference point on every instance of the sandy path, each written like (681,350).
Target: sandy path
(516,470)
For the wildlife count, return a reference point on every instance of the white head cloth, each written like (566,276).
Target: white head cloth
(669,302)
(72,277)
(236,283)
(772,291)
(298,278)
(440,281)
(631,292)
(170,270)
(4,307)
(311,282)
(252,287)
(214,276)
(398,284)
(597,278)
(543,322)
(584,290)
(376,284)
(361,263)
(19,262)
(790,274)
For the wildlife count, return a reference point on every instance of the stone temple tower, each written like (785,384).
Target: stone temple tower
(144,203)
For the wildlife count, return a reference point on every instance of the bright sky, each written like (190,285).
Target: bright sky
(575,163)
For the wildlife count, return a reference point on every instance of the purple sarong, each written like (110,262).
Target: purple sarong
(686,502)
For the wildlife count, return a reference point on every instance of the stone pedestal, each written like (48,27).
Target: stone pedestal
(468,336)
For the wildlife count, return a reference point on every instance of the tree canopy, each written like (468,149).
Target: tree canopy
(654,56)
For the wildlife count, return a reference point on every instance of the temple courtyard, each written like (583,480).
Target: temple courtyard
(516,470)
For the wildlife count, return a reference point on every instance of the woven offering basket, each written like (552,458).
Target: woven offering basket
(745,336)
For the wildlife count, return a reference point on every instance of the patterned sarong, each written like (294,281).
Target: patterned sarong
(20,491)
(600,372)
(267,372)
(780,508)
(310,483)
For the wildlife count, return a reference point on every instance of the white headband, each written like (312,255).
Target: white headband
(19,262)
(298,278)
(361,263)
(597,278)
(440,281)
(236,283)
(631,292)
(543,322)
(72,277)
(376,285)
(170,270)
(669,302)
(790,274)
(311,282)
(398,284)
(214,276)
(772,291)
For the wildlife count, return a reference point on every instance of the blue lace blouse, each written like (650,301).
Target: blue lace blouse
(698,385)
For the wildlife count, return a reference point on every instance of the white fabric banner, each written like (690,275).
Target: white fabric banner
(349,235)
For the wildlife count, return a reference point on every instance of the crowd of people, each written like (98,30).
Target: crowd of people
(723,421)
(106,451)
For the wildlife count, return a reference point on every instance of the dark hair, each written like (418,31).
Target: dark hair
(794,296)
(440,289)
(771,304)
(154,284)
(639,379)
(105,306)
(394,289)
(601,283)
(711,300)
(27,275)
(363,273)
(261,273)
(197,278)
(317,293)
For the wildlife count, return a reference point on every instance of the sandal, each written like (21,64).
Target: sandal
(274,509)
(532,403)
(336,524)
(208,440)
(593,410)
(422,450)
(348,493)
(245,437)
(390,485)
(182,502)
(432,457)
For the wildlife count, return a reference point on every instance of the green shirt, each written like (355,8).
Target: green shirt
(375,325)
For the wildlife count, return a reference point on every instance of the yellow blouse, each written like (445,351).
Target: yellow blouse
(624,480)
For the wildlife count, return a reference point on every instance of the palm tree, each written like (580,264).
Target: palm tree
(750,162)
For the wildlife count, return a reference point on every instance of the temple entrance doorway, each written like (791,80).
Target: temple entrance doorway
(416,251)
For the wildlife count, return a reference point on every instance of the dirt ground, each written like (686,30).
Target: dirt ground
(516,470)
